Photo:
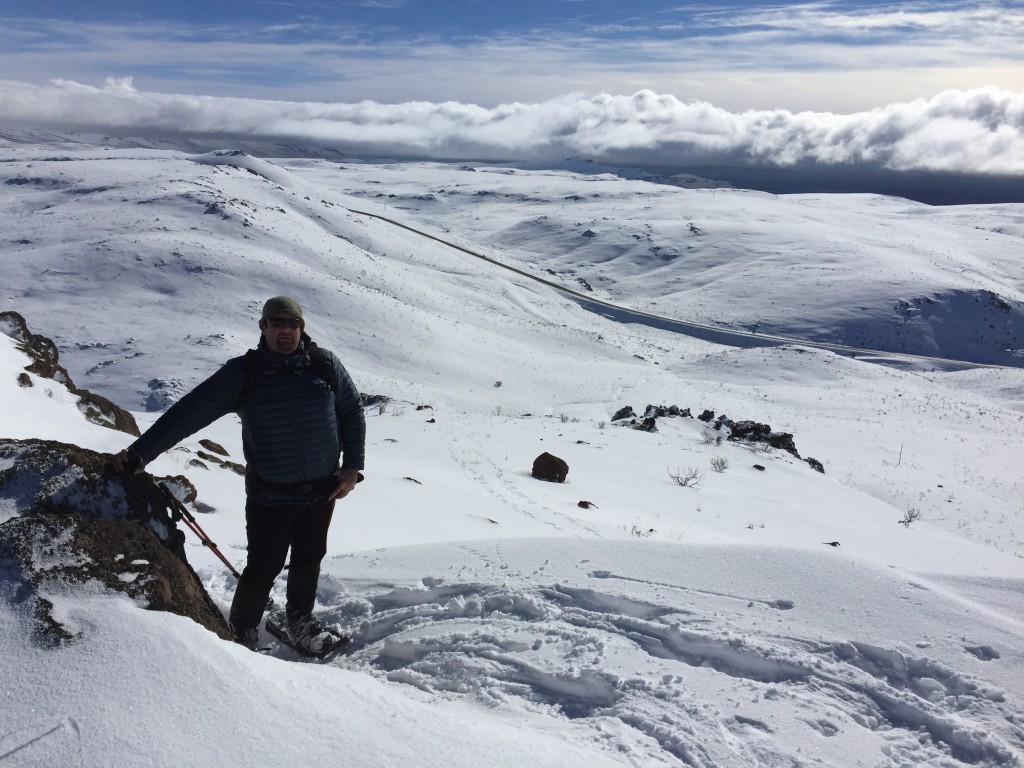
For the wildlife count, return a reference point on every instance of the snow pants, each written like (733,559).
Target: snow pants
(271,531)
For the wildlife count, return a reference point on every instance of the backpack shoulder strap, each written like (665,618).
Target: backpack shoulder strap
(253,368)
(321,364)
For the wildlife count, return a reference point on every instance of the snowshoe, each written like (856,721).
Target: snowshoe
(247,637)
(305,635)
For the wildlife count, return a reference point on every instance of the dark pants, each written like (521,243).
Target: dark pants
(270,531)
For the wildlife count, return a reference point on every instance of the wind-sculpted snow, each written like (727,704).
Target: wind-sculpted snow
(630,641)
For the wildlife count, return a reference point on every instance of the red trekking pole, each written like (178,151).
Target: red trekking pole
(179,512)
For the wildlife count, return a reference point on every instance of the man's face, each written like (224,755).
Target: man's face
(282,333)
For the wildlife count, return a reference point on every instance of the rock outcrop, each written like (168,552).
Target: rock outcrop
(67,525)
(737,431)
(46,364)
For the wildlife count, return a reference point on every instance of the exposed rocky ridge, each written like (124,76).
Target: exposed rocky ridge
(737,431)
(46,363)
(69,523)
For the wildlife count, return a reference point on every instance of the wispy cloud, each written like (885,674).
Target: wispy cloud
(820,56)
(978,131)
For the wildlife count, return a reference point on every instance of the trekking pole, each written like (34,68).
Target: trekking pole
(179,512)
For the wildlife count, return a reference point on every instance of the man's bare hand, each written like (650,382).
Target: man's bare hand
(346,481)
(126,462)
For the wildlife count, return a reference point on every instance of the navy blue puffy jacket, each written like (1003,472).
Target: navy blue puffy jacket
(295,426)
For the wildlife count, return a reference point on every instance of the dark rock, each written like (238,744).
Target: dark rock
(783,440)
(624,413)
(759,467)
(550,468)
(750,430)
(46,364)
(77,525)
(182,488)
(235,467)
(649,424)
(707,416)
(215,447)
(816,465)
(586,504)
(753,432)
(24,380)
(663,411)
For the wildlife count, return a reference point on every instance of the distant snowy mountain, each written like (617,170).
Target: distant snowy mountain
(929,187)
(13,136)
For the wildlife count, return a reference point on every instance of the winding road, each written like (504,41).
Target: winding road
(710,333)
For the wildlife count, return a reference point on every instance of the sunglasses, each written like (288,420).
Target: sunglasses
(284,322)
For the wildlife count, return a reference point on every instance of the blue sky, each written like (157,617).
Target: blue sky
(837,56)
(929,84)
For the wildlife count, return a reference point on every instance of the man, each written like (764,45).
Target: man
(300,414)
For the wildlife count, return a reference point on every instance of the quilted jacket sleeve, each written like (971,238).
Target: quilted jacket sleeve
(213,398)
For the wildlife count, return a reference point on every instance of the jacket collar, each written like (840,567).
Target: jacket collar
(298,359)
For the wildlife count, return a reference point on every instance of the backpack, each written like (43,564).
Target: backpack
(255,366)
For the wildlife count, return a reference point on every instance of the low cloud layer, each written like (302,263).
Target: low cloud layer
(973,131)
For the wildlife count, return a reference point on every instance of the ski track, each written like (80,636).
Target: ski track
(545,647)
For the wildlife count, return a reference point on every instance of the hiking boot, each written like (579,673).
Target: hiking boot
(249,637)
(306,633)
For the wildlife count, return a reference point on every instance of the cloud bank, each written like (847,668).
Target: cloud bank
(972,131)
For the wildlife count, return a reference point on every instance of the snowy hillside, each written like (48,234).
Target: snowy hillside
(882,273)
(491,614)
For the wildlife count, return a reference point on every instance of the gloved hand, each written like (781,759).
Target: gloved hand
(127,462)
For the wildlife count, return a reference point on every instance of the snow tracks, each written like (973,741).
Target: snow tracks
(634,649)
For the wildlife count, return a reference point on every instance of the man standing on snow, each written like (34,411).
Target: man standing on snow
(300,414)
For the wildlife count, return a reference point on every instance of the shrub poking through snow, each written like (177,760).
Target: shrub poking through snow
(691,478)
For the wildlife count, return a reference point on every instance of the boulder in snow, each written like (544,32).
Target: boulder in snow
(551,468)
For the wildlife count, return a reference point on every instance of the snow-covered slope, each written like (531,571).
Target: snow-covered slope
(876,272)
(148,269)
(494,619)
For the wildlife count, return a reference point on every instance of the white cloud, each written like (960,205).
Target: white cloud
(979,130)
